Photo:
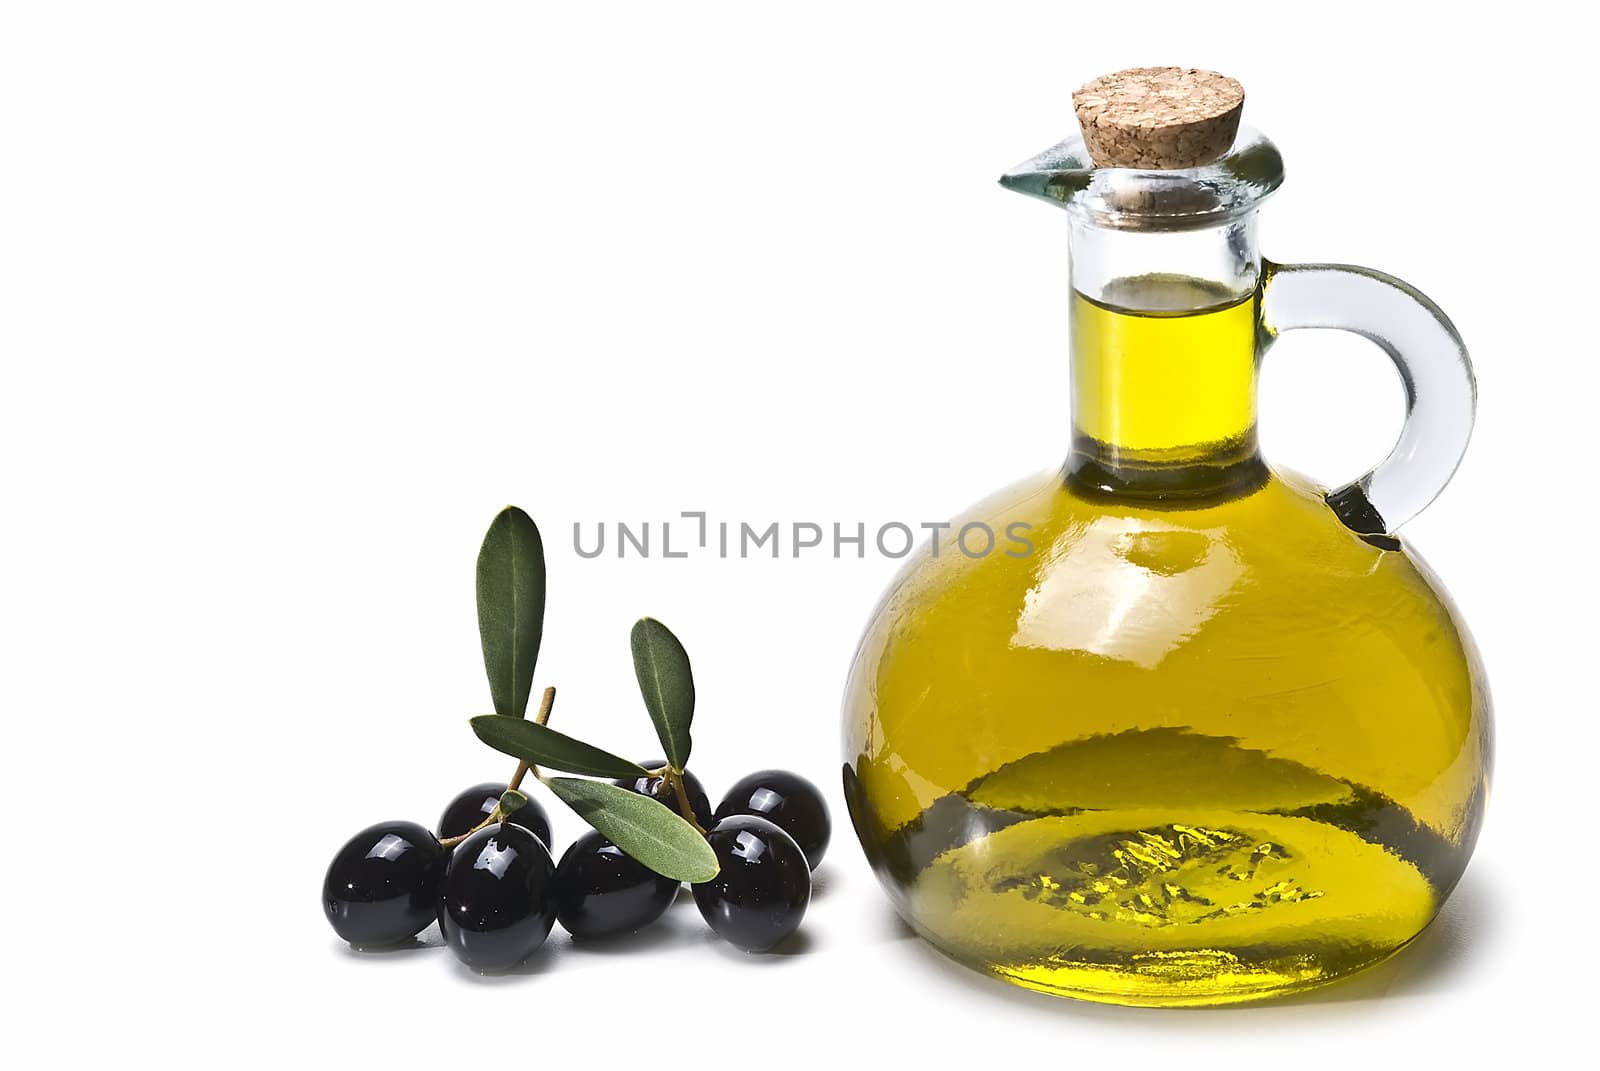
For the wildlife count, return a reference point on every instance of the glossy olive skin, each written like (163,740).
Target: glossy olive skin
(382,886)
(602,891)
(788,801)
(761,893)
(497,903)
(657,789)
(473,805)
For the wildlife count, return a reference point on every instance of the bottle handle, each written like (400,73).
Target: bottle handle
(1441,394)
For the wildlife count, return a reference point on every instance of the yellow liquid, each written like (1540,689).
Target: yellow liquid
(1190,750)
(1183,401)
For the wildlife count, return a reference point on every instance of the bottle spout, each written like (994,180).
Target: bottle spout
(1056,175)
(1133,199)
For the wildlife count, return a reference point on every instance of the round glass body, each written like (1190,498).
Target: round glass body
(1170,756)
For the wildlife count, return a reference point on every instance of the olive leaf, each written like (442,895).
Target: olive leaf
(511,607)
(665,681)
(646,830)
(511,801)
(541,745)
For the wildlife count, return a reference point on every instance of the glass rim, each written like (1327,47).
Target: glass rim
(1145,200)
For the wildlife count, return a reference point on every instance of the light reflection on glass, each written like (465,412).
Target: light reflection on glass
(1128,589)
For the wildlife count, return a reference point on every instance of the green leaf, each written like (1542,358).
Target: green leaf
(511,607)
(541,745)
(640,826)
(511,800)
(662,666)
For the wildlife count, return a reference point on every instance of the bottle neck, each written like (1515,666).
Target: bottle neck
(1164,343)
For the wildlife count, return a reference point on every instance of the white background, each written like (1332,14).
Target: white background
(295,296)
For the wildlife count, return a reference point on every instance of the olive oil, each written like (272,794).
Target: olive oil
(1187,354)
(1206,743)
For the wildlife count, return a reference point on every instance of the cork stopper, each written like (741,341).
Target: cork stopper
(1159,118)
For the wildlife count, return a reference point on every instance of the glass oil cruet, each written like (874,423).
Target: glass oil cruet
(1219,735)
